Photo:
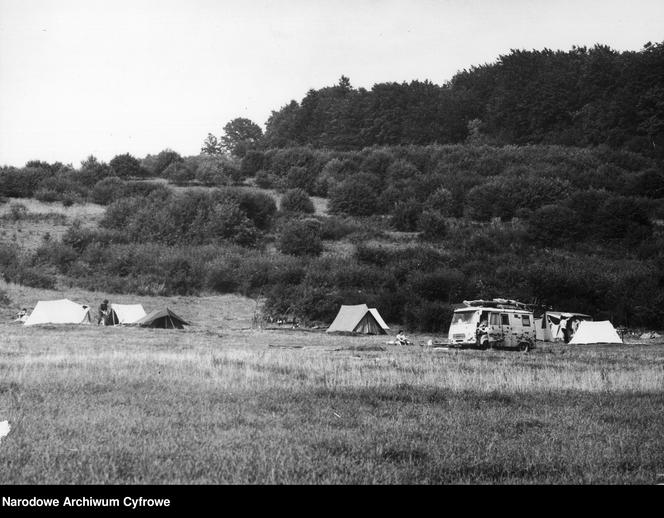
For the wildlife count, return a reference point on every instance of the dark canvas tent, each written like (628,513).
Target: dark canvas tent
(163,319)
(358,319)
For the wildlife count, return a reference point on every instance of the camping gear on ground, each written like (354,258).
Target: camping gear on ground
(601,332)
(125,314)
(62,311)
(358,319)
(163,319)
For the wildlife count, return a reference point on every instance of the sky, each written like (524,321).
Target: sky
(102,78)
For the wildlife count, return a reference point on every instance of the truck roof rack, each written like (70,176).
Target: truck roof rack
(497,303)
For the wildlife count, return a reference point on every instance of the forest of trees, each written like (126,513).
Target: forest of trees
(582,97)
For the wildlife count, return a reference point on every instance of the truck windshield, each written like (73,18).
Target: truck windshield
(464,317)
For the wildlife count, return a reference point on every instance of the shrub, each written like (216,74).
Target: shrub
(259,208)
(335,228)
(432,316)
(433,225)
(555,225)
(442,201)
(4,298)
(17,211)
(164,159)
(377,162)
(221,277)
(78,237)
(296,201)
(126,166)
(502,197)
(440,284)
(108,190)
(179,173)
(21,183)
(233,171)
(301,238)
(649,183)
(354,197)
(624,218)
(301,178)
(405,215)
(252,162)
(92,171)
(211,175)
(264,180)
(402,170)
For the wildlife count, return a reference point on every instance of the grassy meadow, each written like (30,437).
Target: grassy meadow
(224,403)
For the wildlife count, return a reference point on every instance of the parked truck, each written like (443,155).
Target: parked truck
(497,323)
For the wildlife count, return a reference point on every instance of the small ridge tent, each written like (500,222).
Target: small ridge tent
(62,311)
(163,319)
(126,313)
(595,333)
(358,319)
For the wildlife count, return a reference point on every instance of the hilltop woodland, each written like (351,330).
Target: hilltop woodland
(538,177)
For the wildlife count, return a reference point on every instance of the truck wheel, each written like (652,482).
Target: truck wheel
(524,346)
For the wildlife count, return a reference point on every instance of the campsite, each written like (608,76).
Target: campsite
(220,402)
(314,243)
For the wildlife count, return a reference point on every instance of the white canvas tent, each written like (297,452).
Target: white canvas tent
(547,327)
(127,313)
(596,333)
(358,319)
(62,311)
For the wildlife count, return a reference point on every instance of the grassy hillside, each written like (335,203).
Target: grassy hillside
(411,230)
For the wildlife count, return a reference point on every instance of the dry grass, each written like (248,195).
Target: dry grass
(218,403)
(42,219)
(84,211)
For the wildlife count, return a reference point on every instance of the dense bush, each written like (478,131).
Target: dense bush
(163,160)
(259,208)
(21,183)
(126,166)
(553,225)
(264,180)
(296,201)
(624,218)
(188,218)
(180,173)
(301,238)
(334,228)
(432,224)
(113,188)
(404,215)
(301,178)
(354,197)
(442,201)
(252,162)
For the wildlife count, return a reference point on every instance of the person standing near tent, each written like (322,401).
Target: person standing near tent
(104,311)
(563,329)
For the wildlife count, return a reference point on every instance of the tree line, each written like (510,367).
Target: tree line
(581,97)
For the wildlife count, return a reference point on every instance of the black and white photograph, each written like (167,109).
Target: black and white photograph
(328,243)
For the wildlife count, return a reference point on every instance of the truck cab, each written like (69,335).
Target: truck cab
(495,324)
